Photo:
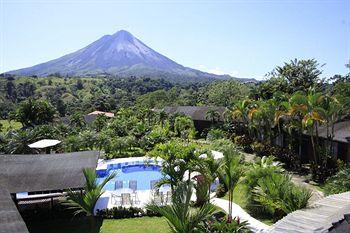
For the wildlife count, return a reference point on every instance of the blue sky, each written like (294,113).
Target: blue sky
(241,38)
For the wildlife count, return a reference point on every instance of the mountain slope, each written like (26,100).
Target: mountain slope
(120,54)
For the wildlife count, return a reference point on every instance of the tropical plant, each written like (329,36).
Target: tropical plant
(309,107)
(18,141)
(181,217)
(34,112)
(209,168)
(212,115)
(222,226)
(230,173)
(184,127)
(338,183)
(278,195)
(177,158)
(84,202)
(262,168)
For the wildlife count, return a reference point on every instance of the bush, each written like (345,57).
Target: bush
(244,142)
(222,145)
(278,196)
(215,134)
(123,212)
(338,183)
(221,190)
(222,225)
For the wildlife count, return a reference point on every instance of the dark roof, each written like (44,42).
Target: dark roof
(341,131)
(40,172)
(197,113)
(45,172)
(10,219)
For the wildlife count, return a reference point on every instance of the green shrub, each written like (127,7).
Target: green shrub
(123,212)
(222,225)
(221,190)
(278,195)
(262,168)
(244,142)
(215,134)
(338,183)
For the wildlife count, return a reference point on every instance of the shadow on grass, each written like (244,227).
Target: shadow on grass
(75,225)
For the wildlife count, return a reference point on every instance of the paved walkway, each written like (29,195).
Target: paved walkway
(301,181)
(254,224)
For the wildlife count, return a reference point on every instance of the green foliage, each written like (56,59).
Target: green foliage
(222,226)
(85,202)
(178,157)
(184,127)
(180,215)
(338,183)
(18,140)
(34,112)
(278,195)
(216,134)
(230,173)
(262,168)
(225,93)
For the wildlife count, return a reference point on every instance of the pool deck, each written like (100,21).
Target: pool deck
(143,197)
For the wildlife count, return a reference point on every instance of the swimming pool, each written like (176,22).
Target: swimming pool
(137,170)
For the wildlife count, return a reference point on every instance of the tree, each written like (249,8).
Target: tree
(19,140)
(77,120)
(209,168)
(162,116)
(299,74)
(225,93)
(310,109)
(181,217)
(84,202)
(184,127)
(177,159)
(34,112)
(230,174)
(212,115)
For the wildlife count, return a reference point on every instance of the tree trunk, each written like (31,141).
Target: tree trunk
(92,221)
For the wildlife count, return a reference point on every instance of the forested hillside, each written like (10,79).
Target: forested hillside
(69,95)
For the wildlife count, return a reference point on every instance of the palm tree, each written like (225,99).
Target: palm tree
(19,140)
(212,115)
(309,107)
(230,173)
(333,112)
(162,117)
(209,168)
(84,202)
(240,113)
(181,217)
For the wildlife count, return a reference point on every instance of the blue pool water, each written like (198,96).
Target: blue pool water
(142,173)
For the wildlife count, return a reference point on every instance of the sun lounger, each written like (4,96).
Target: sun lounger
(118,184)
(126,199)
(116,199)
(133,185)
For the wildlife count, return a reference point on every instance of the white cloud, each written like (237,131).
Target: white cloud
(218,70)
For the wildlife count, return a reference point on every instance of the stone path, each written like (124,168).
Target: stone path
(254,224)
(301,181)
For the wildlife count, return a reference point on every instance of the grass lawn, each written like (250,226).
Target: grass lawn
(240,195)
(132,225)
(9,124)
(136,225)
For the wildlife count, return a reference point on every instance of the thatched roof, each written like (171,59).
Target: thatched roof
(197,113)
(10,219)
(44,172)
(39,172)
